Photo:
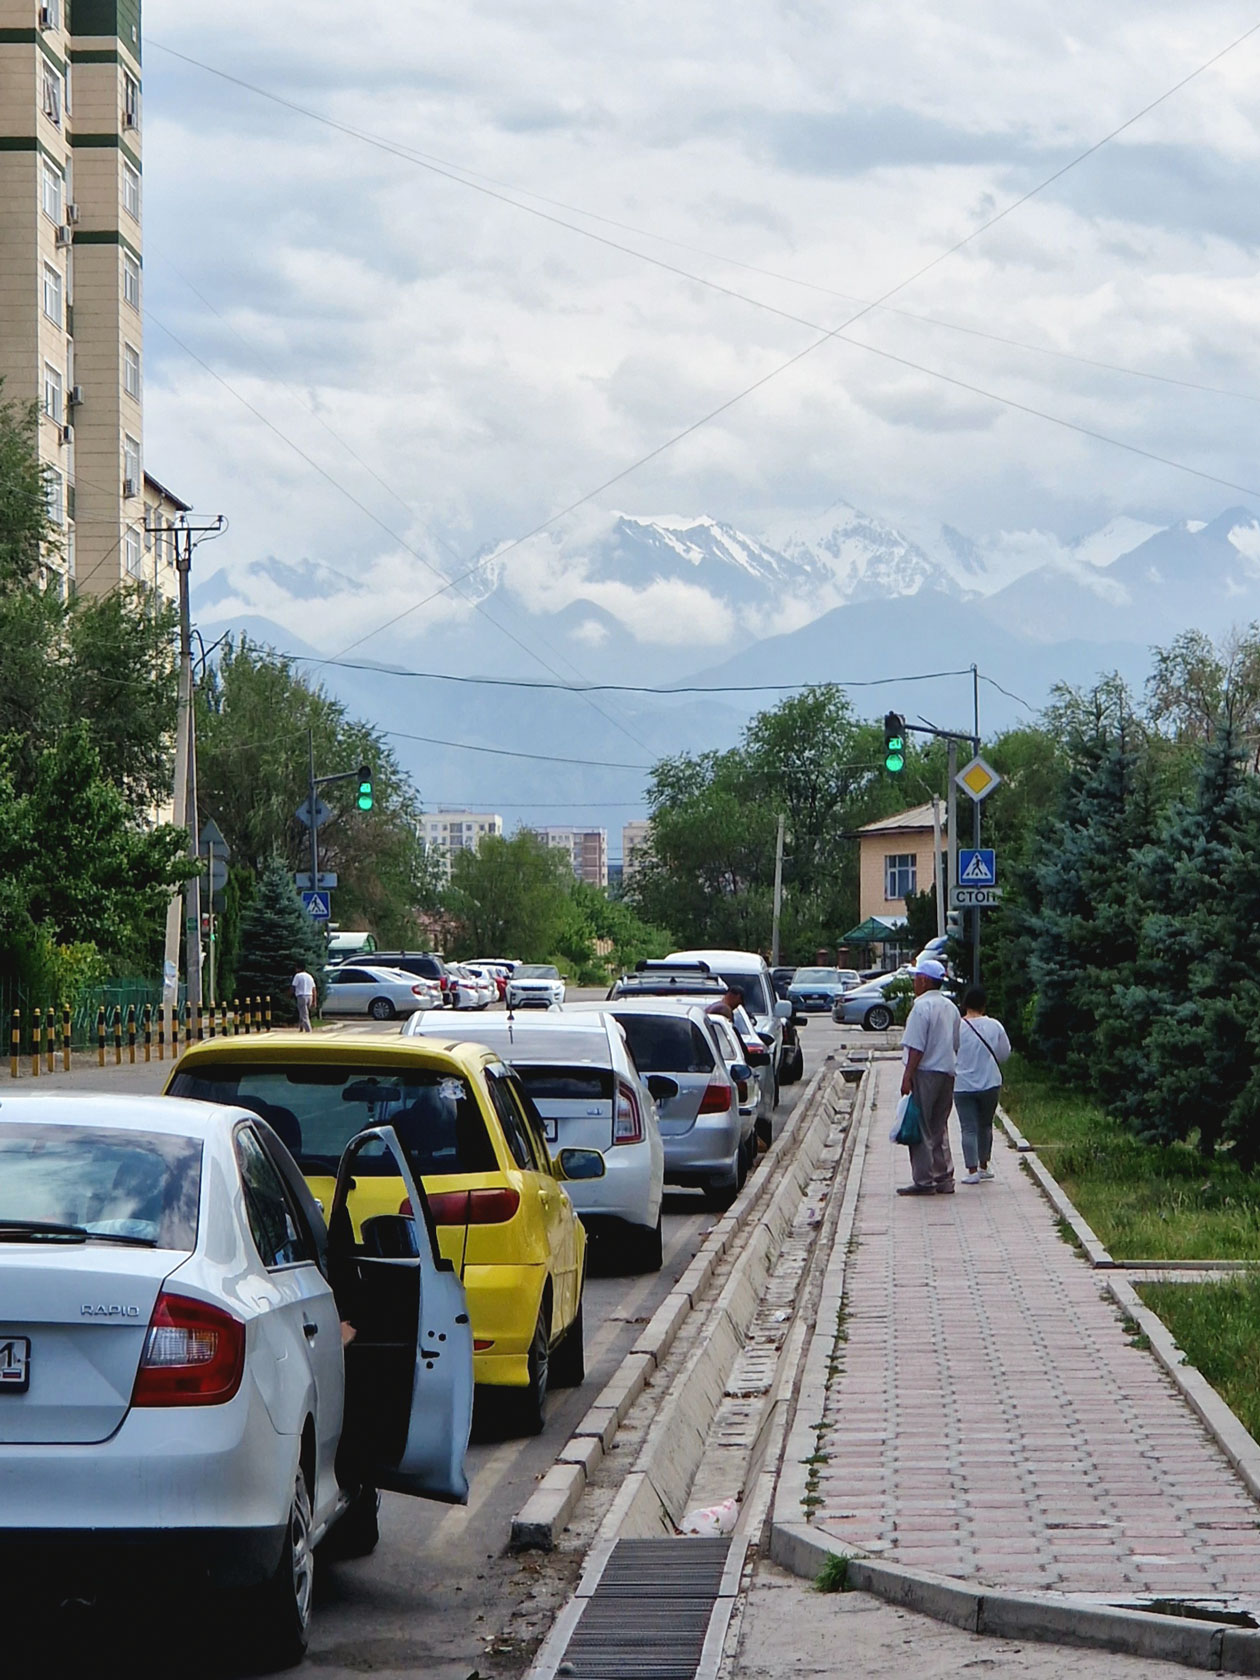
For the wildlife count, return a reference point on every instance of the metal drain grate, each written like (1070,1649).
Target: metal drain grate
(650,1613)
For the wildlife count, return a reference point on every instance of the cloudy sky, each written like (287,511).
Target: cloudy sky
(458,368)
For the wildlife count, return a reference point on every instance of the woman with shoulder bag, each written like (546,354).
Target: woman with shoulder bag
(982,1048)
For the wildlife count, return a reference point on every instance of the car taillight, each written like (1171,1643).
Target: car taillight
(716,1098)
(469,1207)
(420,991)
(194,1355)
(627,1120)
(444,981)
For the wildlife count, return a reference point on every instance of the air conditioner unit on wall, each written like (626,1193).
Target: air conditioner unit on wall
(67,434)
(130,488)
(65,236)
(72,214)
(74,396)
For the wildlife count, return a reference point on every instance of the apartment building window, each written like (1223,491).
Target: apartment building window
(51,95)
(50,14)
(52,293)
(131,191)
(55,495)
(131,464)
(131,101)
(133,553)
(131,280)
(53,406)
(52,192)
(65,88)
(131,371)
(900,874)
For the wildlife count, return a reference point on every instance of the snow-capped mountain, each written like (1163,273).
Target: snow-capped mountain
(866,560)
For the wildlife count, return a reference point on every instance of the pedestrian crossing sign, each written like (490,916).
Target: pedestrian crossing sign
(977,868)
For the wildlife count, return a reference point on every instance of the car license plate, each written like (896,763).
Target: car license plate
(551,1129)
(15,1364)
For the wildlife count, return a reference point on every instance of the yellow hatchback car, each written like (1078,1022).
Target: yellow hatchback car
(473,1137)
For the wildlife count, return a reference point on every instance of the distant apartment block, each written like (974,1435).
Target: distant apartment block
(71,329)
(635,842)
(587,850)
(447,832)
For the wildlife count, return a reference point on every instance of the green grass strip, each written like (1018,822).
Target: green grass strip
(1217,1326)
(1145,1201)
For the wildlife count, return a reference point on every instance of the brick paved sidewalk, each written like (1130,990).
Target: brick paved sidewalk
(996,1423)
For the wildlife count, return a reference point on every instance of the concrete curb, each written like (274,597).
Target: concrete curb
(1056,1619)
(539,1523)
(1050,1188)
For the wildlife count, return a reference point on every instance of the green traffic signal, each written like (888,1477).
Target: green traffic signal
(365,787)
(894,743)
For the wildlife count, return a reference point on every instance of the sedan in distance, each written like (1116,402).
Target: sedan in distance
(381,993)
(868,1006)
(176,1404)
(534,986)
(821,988)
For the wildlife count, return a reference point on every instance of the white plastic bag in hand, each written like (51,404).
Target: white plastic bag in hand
(902,1106)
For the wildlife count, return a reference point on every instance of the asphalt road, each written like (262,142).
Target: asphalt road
(439,1595)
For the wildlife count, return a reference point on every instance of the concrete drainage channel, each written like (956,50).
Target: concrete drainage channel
(727,1344)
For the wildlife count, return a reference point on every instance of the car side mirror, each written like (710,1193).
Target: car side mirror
(390,1236)
(766,1038)
(783,1010)
(581,1163)
(662,1086)
(741,1073)
(799,1021)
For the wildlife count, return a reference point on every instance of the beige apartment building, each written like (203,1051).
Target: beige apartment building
(71,331)
(586,848)
(446,832)
(635,843)
(896,857)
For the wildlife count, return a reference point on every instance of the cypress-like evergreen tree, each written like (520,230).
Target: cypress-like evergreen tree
(277,938)
(1188,1019)
(1083,931)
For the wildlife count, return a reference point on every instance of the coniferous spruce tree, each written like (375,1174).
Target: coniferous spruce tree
(1189,1017)
(277,938)
(1083,933)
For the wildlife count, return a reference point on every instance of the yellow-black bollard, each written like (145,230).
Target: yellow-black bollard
(50,1040)
(268,1011)
(236,1017)
(37,1033)
(67,1033)
(100,1035)
(148,1032)
(161,1032)
(118,1024)
(201,1022)
(187,1025)
(15,1043)
(131,1033)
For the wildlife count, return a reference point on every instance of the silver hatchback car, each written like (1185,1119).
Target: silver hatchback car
(708,1141)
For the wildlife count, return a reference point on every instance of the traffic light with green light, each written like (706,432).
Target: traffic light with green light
(894,743)
(365,787)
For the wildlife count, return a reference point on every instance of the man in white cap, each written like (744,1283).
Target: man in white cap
(930,1041)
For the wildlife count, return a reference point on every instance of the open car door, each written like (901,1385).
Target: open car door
(409,1369)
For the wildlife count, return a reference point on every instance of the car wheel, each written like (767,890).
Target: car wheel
(878,1018)
(792,1066)
(721,1192)
(279,1612)
(532,1403)
(763,1132)
(568,1358)
(650,1246)
(356,1532)
(381,1009)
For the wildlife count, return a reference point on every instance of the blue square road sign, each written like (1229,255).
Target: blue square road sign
(977,868)
(318,906)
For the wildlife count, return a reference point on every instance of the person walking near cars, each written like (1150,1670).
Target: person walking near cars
(982,1048)
(304,993)
(930,1041)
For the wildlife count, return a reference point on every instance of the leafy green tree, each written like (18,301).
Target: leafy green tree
(510,898)
(277,939)
(27,535)
(256,717)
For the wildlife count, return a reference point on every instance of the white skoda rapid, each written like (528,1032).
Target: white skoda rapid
(175,1399)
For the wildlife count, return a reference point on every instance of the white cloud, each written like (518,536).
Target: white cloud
(491,367)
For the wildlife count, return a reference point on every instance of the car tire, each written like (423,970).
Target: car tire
(531,1407)
(568,1357)
(878,1018)
(649,1247)
(721,1192)
(792,1065)
(278,1613)
(381,1009)
(763,1132)
(357,1531)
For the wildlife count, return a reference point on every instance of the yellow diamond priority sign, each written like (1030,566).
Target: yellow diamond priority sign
(978,779)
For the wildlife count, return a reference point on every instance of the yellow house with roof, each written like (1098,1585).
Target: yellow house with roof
(896,857)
